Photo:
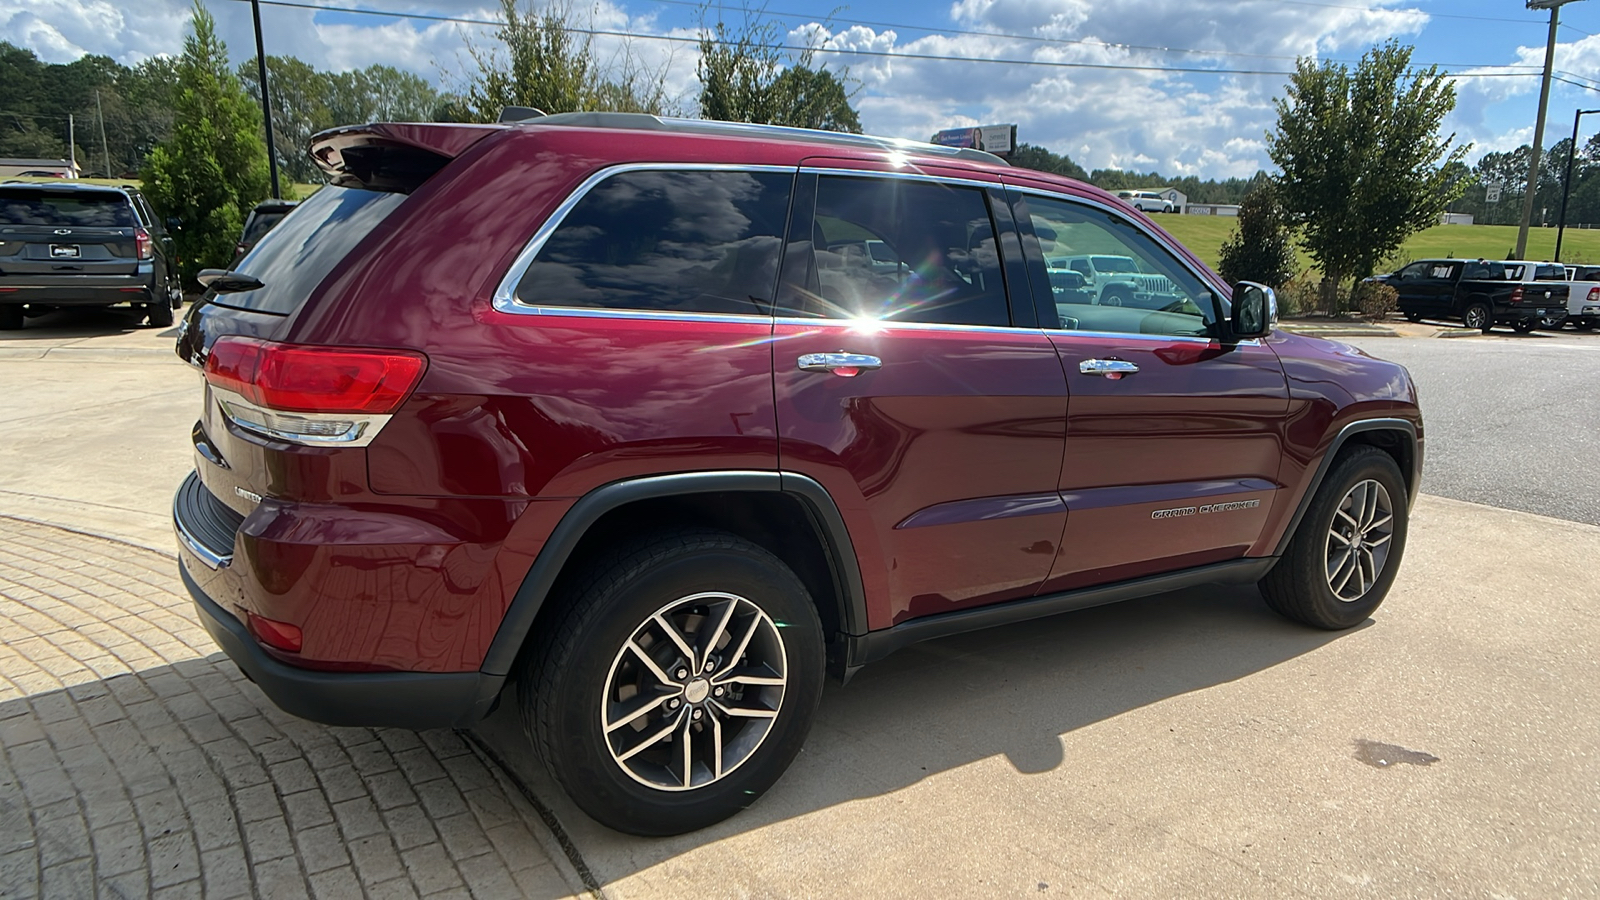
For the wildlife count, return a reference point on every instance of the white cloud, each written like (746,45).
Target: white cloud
(1178,123)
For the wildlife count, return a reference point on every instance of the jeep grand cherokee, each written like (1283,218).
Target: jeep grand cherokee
(610,407)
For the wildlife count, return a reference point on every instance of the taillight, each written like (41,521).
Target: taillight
(1594,295)
(145,247)
(1516,295)
(297,378)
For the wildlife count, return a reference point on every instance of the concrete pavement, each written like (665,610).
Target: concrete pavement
(1186,745)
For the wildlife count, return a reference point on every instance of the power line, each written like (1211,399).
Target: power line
(631,35)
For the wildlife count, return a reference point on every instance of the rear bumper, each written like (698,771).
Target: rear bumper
(398,699)
(373,699)
(78,290)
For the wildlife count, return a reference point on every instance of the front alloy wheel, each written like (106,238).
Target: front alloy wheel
(1359,540)
(1477,316)
(694,692)
(1346,550)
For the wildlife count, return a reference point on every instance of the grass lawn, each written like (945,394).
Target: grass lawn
(1204,235)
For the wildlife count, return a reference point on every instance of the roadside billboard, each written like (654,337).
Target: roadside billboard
(997,139)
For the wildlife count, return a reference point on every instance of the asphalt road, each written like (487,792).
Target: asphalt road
(1510,421)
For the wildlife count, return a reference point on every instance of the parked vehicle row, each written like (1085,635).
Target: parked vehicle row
(1481,293)
(665,420)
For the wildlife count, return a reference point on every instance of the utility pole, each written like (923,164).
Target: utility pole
(1566,181)
(105,148)
(266,108)
(72,144)
(1538,129)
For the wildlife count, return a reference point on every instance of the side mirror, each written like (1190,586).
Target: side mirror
(1255,311)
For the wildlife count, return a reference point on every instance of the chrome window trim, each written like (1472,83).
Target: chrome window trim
(1161,338)
(1176,253)
(896,323)
(505,295)
(905,176)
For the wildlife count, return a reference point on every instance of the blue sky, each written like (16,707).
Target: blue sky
(1211,125)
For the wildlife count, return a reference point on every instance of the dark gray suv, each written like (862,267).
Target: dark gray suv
(65,244)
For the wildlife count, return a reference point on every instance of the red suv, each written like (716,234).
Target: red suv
(664,421)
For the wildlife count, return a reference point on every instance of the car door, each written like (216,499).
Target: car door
(1173,438)
(932,410)
(1417,293)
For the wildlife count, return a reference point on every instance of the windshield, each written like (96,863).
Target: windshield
(1114,264)
(81,209)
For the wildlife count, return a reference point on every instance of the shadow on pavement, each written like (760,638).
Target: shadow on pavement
(86,322)
(1011,691)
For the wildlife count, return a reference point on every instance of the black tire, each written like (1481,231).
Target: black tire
(1523,326)
(159,313)
(566,678)
(1115,298)
(1298,587)
(1479,316)
(1585,326)
(10,316)
(1413,317)
(1551,323)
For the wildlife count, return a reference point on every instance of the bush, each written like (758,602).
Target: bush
(1375,302)
(1260,249)
(1297,297)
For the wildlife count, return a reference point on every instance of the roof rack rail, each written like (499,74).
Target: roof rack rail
(647,122)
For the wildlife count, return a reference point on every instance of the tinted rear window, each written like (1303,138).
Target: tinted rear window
(77,209)
(293,258)
(1550,273)
(667,241)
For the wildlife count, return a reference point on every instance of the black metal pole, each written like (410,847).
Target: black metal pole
(266,108)
(1566,181)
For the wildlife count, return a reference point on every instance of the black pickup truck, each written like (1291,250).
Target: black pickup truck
(1480,293)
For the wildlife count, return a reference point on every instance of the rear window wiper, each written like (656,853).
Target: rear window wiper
(227,281)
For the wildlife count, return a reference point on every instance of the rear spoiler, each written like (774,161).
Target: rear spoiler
(395,157)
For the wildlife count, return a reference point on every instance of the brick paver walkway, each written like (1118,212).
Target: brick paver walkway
(135,760)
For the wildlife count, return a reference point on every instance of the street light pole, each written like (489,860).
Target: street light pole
(1538,129)
(266,107)
(1566,181)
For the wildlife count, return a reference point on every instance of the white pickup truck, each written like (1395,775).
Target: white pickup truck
(1583,300)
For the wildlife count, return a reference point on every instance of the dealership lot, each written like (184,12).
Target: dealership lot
(1175,746)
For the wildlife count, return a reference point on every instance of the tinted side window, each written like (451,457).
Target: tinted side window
(1141,287)
(899,250)
(666,241)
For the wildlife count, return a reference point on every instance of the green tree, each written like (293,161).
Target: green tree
(1261,248)
(1364,165)
(744,78)
(1032,156)
(545,61)
(214,166)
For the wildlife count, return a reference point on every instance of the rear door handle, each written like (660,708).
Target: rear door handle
(1107,368)
(843,364)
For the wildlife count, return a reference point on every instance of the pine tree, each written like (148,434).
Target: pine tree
(213,168)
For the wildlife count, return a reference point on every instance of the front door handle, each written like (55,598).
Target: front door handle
(1108,368)
(844,364)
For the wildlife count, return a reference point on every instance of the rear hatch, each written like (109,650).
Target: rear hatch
(249,453)
(65,232)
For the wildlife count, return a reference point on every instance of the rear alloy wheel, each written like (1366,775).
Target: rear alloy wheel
(678,684)
(1478,316)
(1413,317)
(10,316)
(1344,554)
(1523,326)
(1552,323)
